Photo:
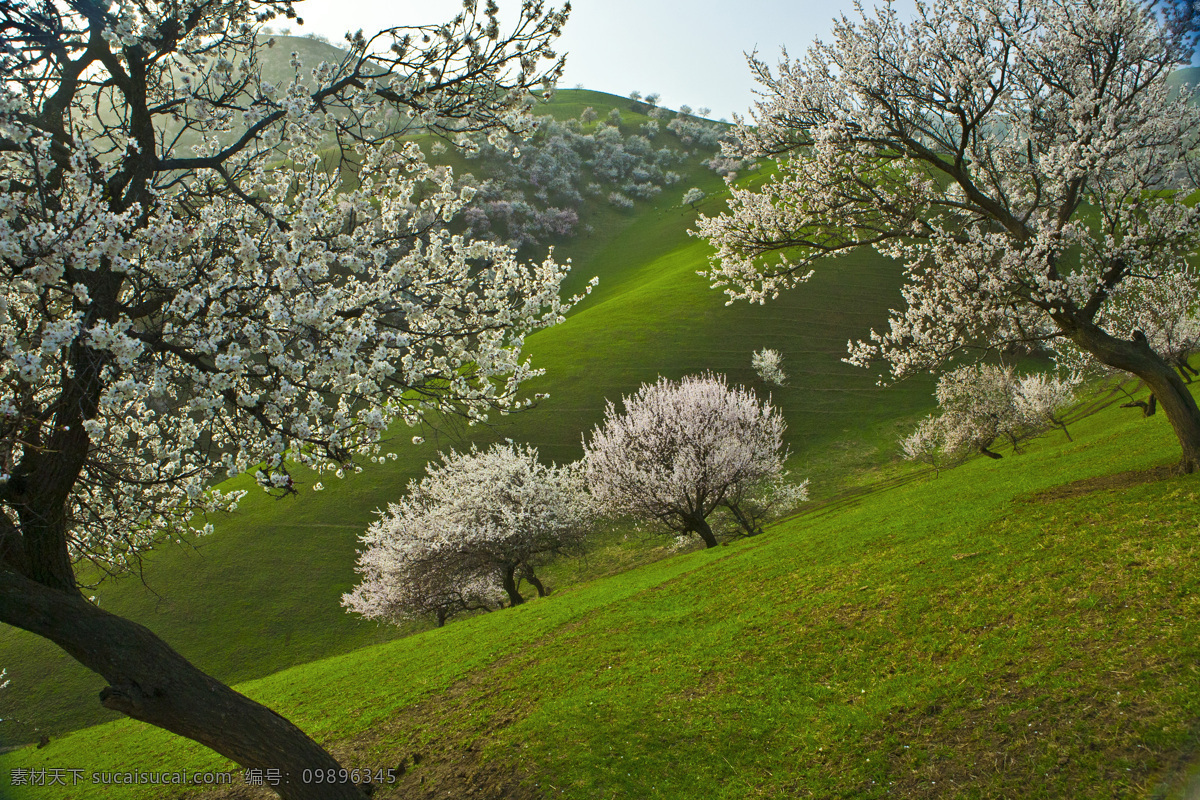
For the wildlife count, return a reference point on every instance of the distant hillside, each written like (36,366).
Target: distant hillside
(1188,76)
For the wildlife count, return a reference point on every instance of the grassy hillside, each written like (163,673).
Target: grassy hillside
(1021,628)
(262,593)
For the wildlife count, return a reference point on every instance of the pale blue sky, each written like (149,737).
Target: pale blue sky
(689,52)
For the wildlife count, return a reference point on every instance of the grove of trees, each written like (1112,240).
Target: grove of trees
(981,404)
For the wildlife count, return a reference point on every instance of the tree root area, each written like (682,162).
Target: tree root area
(436,749)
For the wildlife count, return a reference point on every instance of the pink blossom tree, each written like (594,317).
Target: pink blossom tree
(190,289)
(681,449)
(1024,161)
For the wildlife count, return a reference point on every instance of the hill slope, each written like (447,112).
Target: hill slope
(263,593)
(1021,628)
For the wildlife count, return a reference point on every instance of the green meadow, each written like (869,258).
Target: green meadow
(1017,628)
(262,593)
(1026,627)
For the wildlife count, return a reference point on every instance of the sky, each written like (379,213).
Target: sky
(689,52)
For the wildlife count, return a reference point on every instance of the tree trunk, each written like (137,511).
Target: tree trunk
(510,586)
(983,448)
(1148,406)
(528,575)
(1185,368)
(1166,387)
(743,520)
(150,682)
(701,527)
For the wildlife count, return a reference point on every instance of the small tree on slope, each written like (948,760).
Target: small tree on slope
(1021,160)
(173,313)
(982,403)
(681,449)
(469,532)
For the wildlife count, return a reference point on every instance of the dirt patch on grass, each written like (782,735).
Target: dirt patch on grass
(1099,484)
(435,749)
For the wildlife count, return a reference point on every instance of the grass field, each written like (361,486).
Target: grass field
(262,593)
(1020,628)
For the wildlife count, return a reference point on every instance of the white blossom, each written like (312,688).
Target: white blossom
(768,364)
(466,535)
(681,449)
(1026,162)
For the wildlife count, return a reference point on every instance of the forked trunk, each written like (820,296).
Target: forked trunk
(1148,406)
(747,525)
(1167,388)
(150,682)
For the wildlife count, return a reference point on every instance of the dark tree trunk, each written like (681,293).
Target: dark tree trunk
(743,520)
(1185,368)
(510,586)
(1148,406)
(528,575)
(983,448)
(150,682)
(1166,387)
(701,527)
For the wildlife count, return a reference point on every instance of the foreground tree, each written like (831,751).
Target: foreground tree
(469,532)
(681,449)
(1023,160)
(190,290)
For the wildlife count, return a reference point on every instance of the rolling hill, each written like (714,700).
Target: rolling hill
(1015,628)
(262,593)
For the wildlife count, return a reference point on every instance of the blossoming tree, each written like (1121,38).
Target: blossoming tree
(468,533)
(1025,161)
(982,403)
(190,289)
(681,449)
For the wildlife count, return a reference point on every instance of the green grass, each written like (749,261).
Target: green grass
(262,593)
(985,633)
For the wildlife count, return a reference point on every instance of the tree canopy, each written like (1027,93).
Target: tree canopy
(206,271)
(1026,162)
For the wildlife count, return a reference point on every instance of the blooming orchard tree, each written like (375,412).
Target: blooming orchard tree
(692,196)
(190,290)
(768,364)
(468,533)
(405,577)
(681,449)
(982,403)
(1020,158)
(1040,400)
(978,407)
